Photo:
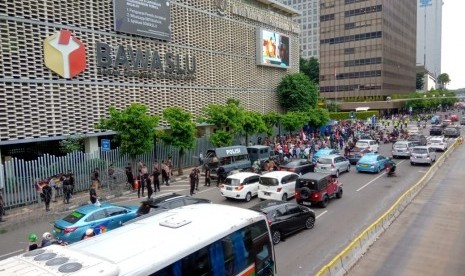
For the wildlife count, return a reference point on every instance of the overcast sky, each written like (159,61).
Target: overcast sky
(453,42)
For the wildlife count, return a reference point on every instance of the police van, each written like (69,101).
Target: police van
(235,158)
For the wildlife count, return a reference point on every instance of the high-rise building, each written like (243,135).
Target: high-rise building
(429,31)
(309,22)
(367,48)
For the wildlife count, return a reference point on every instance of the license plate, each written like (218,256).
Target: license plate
(364,165)
(229,188)
(266,193)
(58,230)
(306,203)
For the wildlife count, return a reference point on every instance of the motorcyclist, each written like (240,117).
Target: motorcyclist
(32,237)
(391,164)
(46,239)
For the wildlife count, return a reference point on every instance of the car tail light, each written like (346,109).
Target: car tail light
(297,195)
(279,189)
(291,169)
(240,187)
(332,165)
(69,230)
(316,195)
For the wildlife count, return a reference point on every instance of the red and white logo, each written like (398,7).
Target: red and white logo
(64,54)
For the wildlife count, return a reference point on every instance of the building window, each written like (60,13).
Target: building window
(327,17)
(353,1)
(357,37)
(365,10)
(358,75)
(365,61)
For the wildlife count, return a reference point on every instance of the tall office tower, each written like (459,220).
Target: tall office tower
(367,48)
(429,31)
(309,23)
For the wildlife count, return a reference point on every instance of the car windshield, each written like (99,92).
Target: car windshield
(325,161)
(73,217)
(362,144)
(420,150)
(268,181)
(435,141)
(400,146)
(232,181)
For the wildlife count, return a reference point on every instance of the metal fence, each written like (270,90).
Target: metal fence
(19,177)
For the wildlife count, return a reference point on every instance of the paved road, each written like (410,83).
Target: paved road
(366,197)
(428,238)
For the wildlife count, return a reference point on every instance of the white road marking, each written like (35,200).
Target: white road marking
(317,217)
(12,253)
(371,181)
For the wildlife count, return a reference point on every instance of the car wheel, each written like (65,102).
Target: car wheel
(324,202)
(348,168)
(248,197)
(411,163)
(276,236)
(339,193)
(310,223)
(378,170)
(284,198)
(337,174)
(262,199)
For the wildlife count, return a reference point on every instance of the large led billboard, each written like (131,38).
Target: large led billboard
(273,49)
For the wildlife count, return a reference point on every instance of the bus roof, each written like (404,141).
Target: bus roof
(166,234)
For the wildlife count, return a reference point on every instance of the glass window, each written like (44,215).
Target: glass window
(73,217)
(115,211)
(176,203)
(97,215)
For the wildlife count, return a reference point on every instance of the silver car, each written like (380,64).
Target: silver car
(403,148)
(423,155)
(333,164)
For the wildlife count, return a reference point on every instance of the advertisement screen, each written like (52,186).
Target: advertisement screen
(149,18)
(273,49)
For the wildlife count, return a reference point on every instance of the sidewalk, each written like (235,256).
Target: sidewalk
(36,212)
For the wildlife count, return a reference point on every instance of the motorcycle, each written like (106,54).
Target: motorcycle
(390,170)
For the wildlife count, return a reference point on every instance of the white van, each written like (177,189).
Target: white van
(367,144)
(278,185)
(243,185)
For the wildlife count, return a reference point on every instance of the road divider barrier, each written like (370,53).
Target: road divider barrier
(344,261)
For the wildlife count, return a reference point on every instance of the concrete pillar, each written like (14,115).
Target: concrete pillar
(91,144)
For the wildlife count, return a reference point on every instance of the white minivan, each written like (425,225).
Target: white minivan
(278,185)
(242,185)
(367,144)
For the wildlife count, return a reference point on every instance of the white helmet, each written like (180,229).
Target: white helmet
(89,232)
(47,236)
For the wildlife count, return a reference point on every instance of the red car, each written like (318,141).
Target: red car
(454,118)
(317,188)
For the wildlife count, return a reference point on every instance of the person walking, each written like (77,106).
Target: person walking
(156,179)
(129,175)
(165,173)
(219,176)
(142,181)
(71,182)
(207,176)
(66,190)
(148,183)
(192,182)
(46,195)
(197,178)
(2,206)
(95,177)
(93,193)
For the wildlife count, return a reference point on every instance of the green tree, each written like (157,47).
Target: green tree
(227,120)
(252,124)
(443,80)
(318,117)
(271,120)
(293,120)
(297,93)
(134,128)
(181,133)
(311,68)
(420,82)
(71,144)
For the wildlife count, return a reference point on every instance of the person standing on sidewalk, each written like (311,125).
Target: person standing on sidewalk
(197,178)
(66,190)
(148,183)
(156,179)
(47,192)
(71,182)
(129,175)
(93,193)
(95,177)
(192,181)
(207,176)
(165,173)
(2,206)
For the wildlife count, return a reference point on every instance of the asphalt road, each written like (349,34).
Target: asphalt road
(366,197)
(428,237)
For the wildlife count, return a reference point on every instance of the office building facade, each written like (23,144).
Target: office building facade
(309,22)
(367,48)
(429,38)
(65,62)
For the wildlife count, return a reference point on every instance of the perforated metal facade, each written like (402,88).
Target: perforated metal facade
(35,102)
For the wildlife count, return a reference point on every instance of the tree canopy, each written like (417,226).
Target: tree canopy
(443,80)
(271,120)
(181,133)
(311,68)
(252,124)
(420,81)
(294,120)
(134,128)
(297,93)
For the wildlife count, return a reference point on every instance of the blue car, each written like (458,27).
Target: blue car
(371,162)
(323,152)
(108,216)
